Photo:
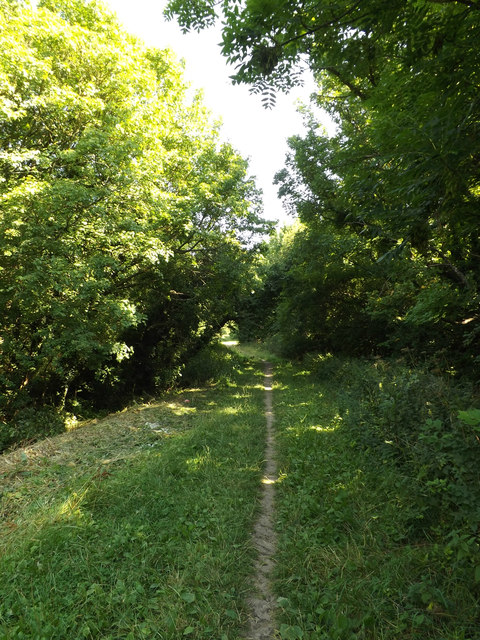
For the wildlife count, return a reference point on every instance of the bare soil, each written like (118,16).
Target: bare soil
(262,604)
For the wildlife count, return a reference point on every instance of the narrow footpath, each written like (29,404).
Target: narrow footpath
(262,603)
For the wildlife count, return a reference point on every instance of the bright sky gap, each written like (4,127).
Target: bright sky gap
(258,134)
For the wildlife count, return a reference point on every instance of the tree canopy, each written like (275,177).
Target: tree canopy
(394,193)
(123,215)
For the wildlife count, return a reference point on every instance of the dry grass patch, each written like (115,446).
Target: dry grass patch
(84,452)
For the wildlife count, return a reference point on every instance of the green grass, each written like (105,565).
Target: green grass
(145,538)
(254,350)
(138,525)
(352,561)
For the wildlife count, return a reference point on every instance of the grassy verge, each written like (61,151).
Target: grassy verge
(365,551)
(136,526)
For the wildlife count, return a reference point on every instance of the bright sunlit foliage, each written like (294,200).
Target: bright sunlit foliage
(121,214)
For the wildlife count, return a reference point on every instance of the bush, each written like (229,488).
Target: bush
(213,363)
(31,423)
(414,420)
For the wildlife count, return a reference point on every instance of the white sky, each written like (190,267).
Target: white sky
(258,134)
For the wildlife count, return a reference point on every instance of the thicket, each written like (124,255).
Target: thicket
(323,288)
(125,222)
(424,425)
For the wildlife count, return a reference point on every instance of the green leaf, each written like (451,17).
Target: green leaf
(470,417)
(288,632)
(188,597)
(284,603)
(231,614)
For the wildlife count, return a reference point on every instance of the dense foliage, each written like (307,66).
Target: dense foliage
(122,214)
(389,256)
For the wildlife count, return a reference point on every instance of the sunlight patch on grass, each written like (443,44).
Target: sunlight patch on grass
(71,506)
(324,429)
(254,350)
(232,411)
(111,538)
(334,424)
(196,463)
(181,409)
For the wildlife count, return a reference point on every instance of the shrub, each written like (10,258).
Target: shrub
(31,423)
(212,363)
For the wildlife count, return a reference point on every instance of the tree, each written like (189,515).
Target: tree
(117,197)
(345,40)
(401,81)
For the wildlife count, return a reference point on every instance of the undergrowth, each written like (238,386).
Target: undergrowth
(147,537)
(378,503)
(138,526)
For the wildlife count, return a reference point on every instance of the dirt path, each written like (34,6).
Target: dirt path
(262,603)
